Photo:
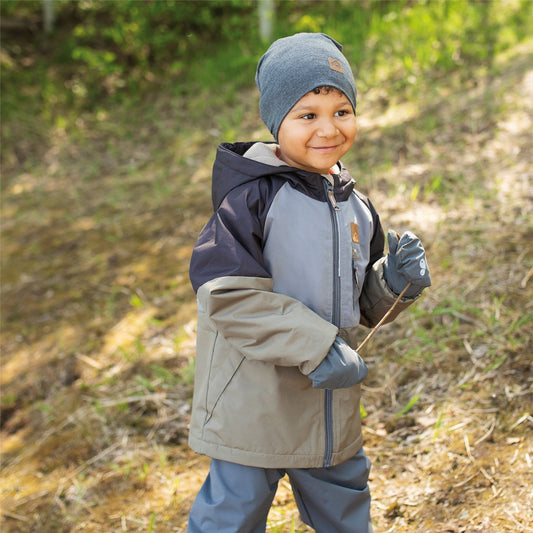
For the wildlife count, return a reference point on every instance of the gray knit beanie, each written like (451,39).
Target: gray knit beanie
(294,66)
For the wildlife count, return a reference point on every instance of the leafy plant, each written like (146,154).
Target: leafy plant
(408,406)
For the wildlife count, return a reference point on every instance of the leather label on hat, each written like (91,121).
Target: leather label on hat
(335,64)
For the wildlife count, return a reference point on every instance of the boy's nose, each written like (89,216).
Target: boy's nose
(326,128)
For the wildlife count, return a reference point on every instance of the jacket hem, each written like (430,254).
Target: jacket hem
(264,460)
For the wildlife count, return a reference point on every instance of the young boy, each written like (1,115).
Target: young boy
(285,270)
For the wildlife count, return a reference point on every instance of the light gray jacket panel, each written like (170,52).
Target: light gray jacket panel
(302,268)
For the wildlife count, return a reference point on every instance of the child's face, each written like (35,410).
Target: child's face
(317,131)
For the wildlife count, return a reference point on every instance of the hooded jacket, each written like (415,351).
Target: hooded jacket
(289,260)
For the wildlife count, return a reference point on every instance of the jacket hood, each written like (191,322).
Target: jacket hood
(233,169)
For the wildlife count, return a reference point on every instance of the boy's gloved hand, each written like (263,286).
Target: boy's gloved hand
(340,369)
(406,262)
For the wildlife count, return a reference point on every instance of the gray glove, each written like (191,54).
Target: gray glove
(406,262)
(340,369)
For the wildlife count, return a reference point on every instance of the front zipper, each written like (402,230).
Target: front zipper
(334,209)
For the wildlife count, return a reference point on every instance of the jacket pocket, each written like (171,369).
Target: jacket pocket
(347,422)
(224,364)
(355,284)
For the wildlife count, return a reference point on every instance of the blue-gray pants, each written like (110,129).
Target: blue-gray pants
(236,498)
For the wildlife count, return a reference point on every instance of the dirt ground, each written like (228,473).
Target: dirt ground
(98,318)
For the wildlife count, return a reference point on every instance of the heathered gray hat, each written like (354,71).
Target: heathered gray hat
(294,66)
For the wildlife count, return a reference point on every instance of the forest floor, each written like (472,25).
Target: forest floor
(99,216)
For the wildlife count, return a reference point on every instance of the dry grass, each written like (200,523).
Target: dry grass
(98,317)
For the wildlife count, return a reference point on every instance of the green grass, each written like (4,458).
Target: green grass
(403,42)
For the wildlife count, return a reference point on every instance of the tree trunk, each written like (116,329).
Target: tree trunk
(266,19)
(49,16)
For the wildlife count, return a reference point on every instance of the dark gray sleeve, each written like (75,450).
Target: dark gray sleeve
(377,298)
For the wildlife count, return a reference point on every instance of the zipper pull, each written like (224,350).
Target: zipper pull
(331,197)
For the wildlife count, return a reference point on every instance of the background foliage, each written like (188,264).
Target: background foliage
(104,52)
(121,49)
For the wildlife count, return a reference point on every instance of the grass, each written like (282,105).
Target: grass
(101,206)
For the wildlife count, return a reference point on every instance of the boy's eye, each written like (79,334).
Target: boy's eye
(340,113)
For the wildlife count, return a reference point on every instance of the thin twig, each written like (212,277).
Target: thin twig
(519,524)
(487,475)
(465,481)
(380,323)
(15,516)
(92,460)
(520,420)
(525,279)
(467,447)
(487,435)
(156,396)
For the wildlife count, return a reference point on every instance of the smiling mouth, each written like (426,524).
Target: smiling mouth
(324,149)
